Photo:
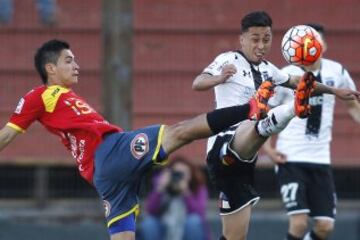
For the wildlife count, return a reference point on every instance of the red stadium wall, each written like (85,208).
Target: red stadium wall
(173,41)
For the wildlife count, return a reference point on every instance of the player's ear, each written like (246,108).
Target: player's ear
(324,44)
(241,39)
(50,68)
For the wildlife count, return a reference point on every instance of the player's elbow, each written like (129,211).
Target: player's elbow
(198,83)
(196,86)
(7,135)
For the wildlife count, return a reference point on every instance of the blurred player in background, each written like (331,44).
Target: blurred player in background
(111,160)
(235,76)
(302,152)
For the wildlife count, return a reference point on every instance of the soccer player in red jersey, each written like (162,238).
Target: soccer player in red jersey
(111,160)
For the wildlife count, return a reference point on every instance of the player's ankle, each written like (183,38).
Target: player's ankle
(264,126)
(277,120)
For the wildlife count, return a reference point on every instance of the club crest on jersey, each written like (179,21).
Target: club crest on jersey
(329,82)
(139,145)
(107,207)
(266,75)
(20,106)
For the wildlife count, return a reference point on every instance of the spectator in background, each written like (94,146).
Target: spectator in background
(46,10)
(302,152)
(176,206)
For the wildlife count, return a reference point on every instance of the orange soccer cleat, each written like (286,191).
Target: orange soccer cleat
(258,104)
(304,89)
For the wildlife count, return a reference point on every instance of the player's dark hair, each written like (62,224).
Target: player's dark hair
(256,19)
(49,52)
(318,27)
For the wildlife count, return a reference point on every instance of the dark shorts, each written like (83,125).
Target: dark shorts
(307,188)
(120,162)
(232,176)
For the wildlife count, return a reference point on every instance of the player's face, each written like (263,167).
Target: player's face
(256,43)
(67,70)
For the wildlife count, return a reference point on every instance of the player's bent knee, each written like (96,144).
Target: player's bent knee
(298,224)
(324,227)
(300,227)
(174,137)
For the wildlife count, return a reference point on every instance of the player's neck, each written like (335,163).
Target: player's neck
(52,82)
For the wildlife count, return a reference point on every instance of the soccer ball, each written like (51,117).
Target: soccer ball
(301,45)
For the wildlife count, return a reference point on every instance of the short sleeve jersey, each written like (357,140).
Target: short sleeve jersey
(68,116)
(296,140)
(239,88)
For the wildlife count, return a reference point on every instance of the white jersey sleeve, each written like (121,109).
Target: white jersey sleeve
(347,80)
(283,95)
(219,62)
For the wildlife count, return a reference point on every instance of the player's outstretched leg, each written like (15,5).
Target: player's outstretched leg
(250,135)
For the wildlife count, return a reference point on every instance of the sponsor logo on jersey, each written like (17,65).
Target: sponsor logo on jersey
(20,106)
(77,149)
(55,92)
(107,207)
(316,100)
(246,73)
(139,145)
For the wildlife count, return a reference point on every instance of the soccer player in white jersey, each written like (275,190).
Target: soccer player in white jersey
(231,155)
(302,152)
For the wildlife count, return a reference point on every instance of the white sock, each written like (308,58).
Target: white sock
(277,119)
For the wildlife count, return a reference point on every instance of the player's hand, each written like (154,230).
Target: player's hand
(227,72)
(277,157)
(347,94)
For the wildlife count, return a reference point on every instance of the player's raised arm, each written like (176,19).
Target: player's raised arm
(205,81)
(7,135)
(343,94)
(354,110)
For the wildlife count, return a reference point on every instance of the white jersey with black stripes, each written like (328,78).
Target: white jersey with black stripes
(308,140)
(239,88)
